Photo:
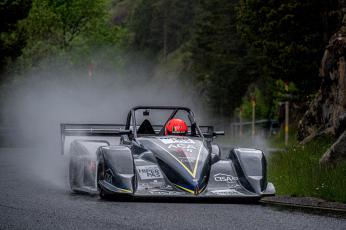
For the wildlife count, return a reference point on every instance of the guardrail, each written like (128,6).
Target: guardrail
(264,127)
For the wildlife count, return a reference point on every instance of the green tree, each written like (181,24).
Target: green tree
(58,27)
(289,36)
(221,62)
(161,26)
(11,42)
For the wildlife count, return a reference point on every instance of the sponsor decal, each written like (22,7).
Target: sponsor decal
(156,183)
(226,192)
(166,187)
(142,186)
(148,172)
(164,192)
(184,150)
(232,181)
(188,147)
(235,186)
(220,177)
(151,184)
(174,140)
(187,160)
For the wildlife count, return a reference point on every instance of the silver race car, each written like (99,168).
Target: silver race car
(173,158)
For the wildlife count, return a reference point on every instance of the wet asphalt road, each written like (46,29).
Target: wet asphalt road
(32,196)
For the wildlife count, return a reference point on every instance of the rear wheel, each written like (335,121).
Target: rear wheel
(104,195)
(72,175)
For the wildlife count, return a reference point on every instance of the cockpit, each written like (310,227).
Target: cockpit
(152,121)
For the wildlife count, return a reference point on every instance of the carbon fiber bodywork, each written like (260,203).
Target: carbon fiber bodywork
(157,165)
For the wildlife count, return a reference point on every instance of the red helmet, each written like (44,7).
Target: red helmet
(176,127)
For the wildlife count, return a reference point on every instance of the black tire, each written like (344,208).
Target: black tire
(104,195)
(72,178)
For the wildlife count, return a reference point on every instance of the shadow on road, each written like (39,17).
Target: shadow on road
(202,200)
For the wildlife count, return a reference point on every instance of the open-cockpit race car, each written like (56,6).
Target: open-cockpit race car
(160,151)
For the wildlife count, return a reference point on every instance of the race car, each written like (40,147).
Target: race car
(160,152)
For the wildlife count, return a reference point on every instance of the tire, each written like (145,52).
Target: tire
(103,195)
(72,177)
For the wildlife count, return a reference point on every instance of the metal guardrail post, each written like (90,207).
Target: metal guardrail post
(253,117)
(286,115)
(240,122)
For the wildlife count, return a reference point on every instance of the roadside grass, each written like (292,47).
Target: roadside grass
(296,172)
(278,140)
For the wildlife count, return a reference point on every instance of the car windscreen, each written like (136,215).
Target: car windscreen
(151,121)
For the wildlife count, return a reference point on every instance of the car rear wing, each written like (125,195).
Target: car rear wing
(90,132)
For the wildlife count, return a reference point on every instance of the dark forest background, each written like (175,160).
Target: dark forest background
(230,50)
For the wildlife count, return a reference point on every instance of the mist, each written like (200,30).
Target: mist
(39,101)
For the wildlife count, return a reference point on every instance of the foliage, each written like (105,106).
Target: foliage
(289,36)
(296,172)
(269,97)
(227,46)
(223,66)
(56,28)
(161,25)
(277,141)
(261,109)
(11,41)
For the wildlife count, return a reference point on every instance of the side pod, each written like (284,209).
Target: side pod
(251,167)
(115,170)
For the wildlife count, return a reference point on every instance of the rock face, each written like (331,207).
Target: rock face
(327,112)
(336,152)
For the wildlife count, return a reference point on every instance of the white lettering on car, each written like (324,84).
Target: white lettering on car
(172,140)
(147,172)
(187,147)
(226,192)
(220,177)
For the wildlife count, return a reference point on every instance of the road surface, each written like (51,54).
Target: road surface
(34,195)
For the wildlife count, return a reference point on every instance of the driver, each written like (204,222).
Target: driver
(176,126)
